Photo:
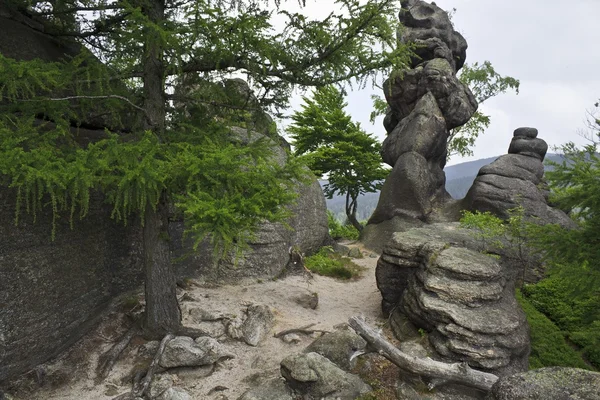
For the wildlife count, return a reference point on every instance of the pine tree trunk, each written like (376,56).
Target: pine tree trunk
(162,310)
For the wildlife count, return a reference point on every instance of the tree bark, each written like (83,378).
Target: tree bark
(437,371)
(351,212)
(163,315)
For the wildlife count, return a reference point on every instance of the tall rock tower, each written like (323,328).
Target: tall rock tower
(425,102)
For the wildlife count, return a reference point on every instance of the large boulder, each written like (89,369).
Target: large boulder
(464,299)
(516,180)
(553,383)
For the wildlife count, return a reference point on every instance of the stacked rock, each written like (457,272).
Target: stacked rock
(425,102)
(464,299)
(516,180)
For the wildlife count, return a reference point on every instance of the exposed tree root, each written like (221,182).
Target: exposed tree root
(140,388)
(108,359)
(305,330)
(438,372)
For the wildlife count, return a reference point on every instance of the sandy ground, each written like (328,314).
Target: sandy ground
(71,377)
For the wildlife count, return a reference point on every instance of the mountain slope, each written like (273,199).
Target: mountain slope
(459,179)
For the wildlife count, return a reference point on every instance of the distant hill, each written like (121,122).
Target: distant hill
(459,179)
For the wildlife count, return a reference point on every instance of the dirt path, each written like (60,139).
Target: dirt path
(338,300)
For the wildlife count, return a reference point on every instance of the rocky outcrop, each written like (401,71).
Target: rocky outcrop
(516,179)
(554,383)
(425,102)
(464,299)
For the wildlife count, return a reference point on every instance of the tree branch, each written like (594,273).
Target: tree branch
(438,371)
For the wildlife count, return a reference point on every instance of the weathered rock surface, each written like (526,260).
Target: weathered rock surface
(268,255)
(430,28)
(425,102)
(315,377)
(464,299)
(554,383)
(340,347)
(275,389)
(514,180)
(184,351)
(254,326)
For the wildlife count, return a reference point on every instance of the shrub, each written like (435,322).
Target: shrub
(548,344)
(338,231)
(328,263)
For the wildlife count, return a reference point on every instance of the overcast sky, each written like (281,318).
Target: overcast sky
(551,46)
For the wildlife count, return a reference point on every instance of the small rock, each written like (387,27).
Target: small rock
(159,385)
(200,315)
(148,349)
(355,253)
(292,338)
(187,297)
(316,377)
(274,389)
(174,393)
(308,301)
(339,347)
(407,392)
(183,351)
(255,327)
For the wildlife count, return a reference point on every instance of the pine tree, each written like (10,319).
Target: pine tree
(157,153)
(332,144)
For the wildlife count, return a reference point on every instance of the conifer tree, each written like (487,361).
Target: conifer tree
(332,144)
(154,154)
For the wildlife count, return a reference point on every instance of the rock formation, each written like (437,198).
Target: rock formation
(425,102)
(553,383)
(464,299)
(516,179)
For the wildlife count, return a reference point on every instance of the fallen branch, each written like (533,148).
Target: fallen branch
(305,330)
(108,359)
(436,370)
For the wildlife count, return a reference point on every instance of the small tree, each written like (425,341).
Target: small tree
(332,144)
(485,83)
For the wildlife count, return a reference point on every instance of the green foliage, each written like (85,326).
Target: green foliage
(330,143)
(568,299)
(575,187)
(328,263)
(548,344)
(207,176)
(341,231)
(485,83)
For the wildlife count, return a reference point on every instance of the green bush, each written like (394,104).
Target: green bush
(548,344)
(338,231)
(575,311)
(328,263)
